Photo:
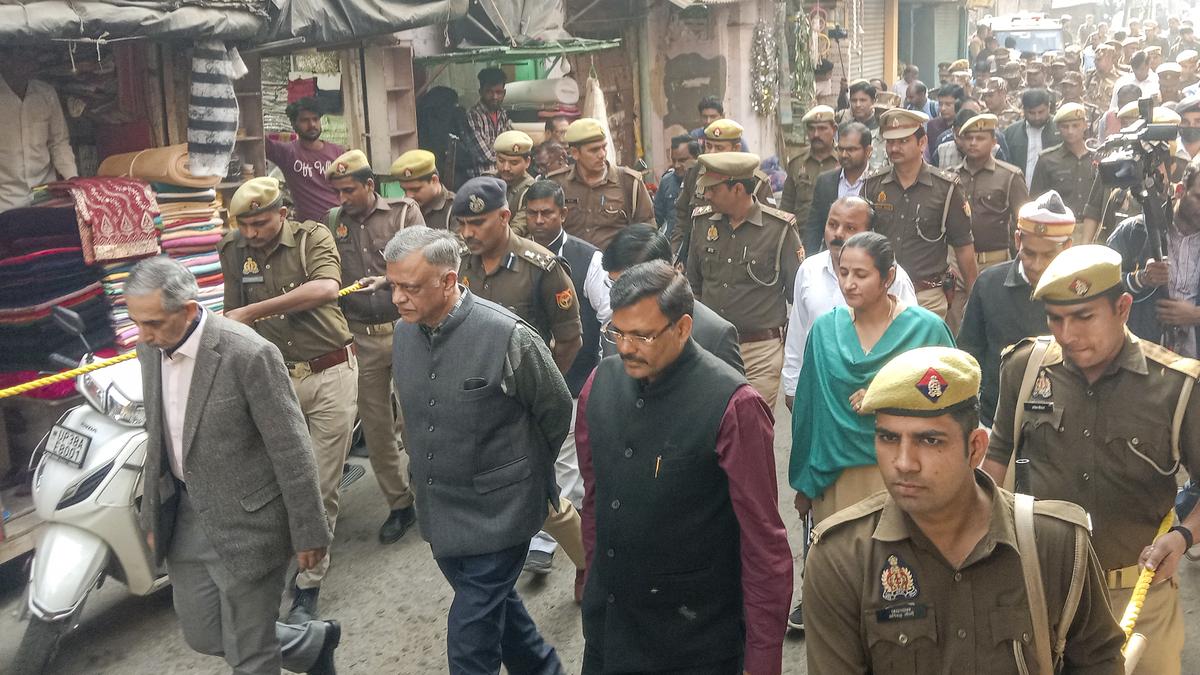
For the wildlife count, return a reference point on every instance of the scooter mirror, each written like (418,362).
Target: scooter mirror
(68,320)
(63,361)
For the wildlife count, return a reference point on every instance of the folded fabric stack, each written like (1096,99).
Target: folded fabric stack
(540,100)
(42,266)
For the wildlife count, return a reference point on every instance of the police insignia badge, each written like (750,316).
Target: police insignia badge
(896,580)
(564,298)
(967,208)
(712,233)
(516,149)
(475,204)
(408,173)
(1080,287)
(882,196)
(1041,386)
(717,132)
(249,267)
(341,168)
(932,385)
(254,206)
(1040,228)
(342,231)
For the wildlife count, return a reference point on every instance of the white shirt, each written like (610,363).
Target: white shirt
(901,88)
(845,187)
(595,284)
(817,292)
(1149,86)
(176,385)
(1035,148)
(34,142)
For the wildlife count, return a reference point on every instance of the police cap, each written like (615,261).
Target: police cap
(718,167)
(1079,274)
(924,382)
(255,196)
(479,196)
(414,165)
(514,142)
(347,164)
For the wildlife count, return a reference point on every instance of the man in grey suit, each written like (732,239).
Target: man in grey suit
(230,484)
(487,411)
(641,243)
(853,147)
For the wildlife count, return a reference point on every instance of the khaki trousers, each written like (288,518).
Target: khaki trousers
(381,420)
(567,529)
(852,486)
(764,367)
(1161,621)
(570,485)
(934,300)
(328,400)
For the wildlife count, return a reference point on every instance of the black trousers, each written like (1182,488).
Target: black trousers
(593,664)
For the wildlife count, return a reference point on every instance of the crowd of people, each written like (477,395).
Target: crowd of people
(569,362)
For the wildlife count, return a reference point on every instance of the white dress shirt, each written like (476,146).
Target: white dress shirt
(595,284)
(1034,134)
(1149,86)
(817,292)
(845,187)
(176,385)
(34,142)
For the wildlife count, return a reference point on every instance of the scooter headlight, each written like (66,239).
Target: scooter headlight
(92,392)
(122,410)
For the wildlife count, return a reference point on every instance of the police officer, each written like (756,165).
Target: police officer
(723,135)
(282,278)
(417,172)
(742,263)
(362,226)
(923,210)
(1067,167)
(995,98)
(1000,311)
(931,576)
(513,157)
(1104,419)
(529,281)
(995,191)
(814,160)
(1098,86)
(601,197)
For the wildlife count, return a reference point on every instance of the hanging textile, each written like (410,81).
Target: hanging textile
(212,108)
(116,217)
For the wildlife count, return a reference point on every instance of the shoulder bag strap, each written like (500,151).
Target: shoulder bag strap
(1031,568)
(1177,422)
(1074,592)
(1031,369)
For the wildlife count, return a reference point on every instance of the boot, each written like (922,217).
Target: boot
(304,606)
(397,525)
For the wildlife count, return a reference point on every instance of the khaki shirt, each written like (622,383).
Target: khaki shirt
(360,245)
(880,598)
(437,212)
(304,252)
(1104,446)
(1059,169)
(691,198)
(516,204)
(596,214)
(1098,87)
(802,172)
(996,192)
(745,274)
(921,221)
(531,283)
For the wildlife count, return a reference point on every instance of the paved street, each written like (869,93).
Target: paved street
(391,602)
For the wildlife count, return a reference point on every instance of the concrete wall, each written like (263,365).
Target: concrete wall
(689,61)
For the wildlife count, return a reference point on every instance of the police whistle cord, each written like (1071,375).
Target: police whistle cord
(1134,608)
(19,389)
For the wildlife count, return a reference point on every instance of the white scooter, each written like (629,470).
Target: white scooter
(87,489)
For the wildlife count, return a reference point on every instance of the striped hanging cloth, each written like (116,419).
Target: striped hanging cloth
(213,108)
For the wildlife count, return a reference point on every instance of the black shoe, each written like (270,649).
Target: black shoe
(539,562)
(324,664)
(397,525)
(304,606)
(796,618)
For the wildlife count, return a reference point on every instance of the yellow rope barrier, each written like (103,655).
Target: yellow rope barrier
(71,374)
(1134,608)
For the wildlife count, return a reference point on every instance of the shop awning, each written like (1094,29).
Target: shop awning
(323,22)
(28,21)
(501,54)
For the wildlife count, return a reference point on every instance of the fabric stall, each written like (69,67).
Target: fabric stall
(530,103)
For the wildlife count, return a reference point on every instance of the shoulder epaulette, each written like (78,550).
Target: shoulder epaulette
(945,174)
(1065,511)
(539,256)
(230,237)
(635,174)
(1163,356)
(1050,149)
(789,218)
(1019,344)
(702,210)
(1008,167)
(311,226)
(866,507)
(558,172)
(881,171)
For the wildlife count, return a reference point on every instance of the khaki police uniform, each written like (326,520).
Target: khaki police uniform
(1106,445)
(996,191)
(514,143)
(1071,175)
(881,597)
(371,317)
(422,165)
(316,344)
(746,273)
(516,204)
(803,170)
(437,212)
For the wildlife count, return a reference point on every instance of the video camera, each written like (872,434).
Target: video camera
(1139,158)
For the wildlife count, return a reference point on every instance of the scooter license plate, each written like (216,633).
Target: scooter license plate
(67,445)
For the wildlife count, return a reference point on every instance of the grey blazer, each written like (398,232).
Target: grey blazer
(712,332)
(247,456)
(825,193)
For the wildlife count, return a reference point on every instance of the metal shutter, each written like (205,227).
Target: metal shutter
(871,63)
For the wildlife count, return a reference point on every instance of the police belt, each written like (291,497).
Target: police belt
(360,328)
(761,335)
(338,356)
(1126,577)
(984,257)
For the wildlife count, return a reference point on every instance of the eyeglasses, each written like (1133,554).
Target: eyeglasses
(616,337)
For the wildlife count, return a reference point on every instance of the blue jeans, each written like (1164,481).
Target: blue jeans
(488,624)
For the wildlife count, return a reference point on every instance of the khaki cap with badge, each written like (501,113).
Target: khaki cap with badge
(255,196)
(414,165)
(513,143)
(961,64)
(901,123)
(887,99)
(724,129)
(982,122)
(1070,112)
(584,130)
(1079,274)
(347,164)
(718,167)
(924,382)
(1047,216)
(818,114)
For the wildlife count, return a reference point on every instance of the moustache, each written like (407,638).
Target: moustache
(837,242)
(471,242)
(632,359)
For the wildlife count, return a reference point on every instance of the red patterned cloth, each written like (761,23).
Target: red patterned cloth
(115,216)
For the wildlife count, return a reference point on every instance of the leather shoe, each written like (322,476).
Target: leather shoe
(539,562)
(304,606)
(397,525)
(324,664)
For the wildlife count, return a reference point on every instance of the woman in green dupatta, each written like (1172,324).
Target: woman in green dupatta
(833,461)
